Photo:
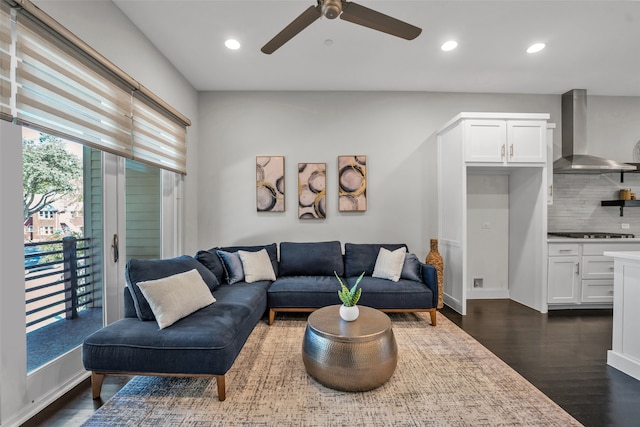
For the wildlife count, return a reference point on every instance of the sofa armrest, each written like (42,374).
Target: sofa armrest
(430,278)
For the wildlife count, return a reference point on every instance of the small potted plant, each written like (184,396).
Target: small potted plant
(349,310)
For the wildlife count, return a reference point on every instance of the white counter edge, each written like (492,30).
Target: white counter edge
(631,255)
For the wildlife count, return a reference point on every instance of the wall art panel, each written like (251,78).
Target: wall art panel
(270,183)
(352,183)
(312,180)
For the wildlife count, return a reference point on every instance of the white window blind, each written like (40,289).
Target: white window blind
(5,62)
(157,140)
(62,92)
(64,87)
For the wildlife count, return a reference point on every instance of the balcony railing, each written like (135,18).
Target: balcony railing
(58,281)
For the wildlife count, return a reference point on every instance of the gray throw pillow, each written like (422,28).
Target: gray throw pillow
(232,266)
(411,269)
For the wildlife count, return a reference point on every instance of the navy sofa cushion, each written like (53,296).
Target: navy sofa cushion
(138,270)
(303,292)
(382,293)
(205,342)
(359,257)
(212,261)
(311,259)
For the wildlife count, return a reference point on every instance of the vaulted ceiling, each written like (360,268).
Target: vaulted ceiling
(593,45)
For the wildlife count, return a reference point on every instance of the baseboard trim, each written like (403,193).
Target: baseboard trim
(29,412)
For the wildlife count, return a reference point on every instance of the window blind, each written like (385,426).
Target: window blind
(64,87)
(157,140)
(62,92)
(5,62)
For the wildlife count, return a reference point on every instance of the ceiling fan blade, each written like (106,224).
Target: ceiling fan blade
(364,16)
(305,19)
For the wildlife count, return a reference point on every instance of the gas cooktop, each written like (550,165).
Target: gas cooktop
(591,235)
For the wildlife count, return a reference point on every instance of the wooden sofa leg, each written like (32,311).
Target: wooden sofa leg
(222,394)
(96,384)
(272,316)
(433,313)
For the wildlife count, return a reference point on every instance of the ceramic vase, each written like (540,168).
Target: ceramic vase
(349,314)
(434,258)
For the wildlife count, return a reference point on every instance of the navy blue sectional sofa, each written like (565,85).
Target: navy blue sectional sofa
(207,342)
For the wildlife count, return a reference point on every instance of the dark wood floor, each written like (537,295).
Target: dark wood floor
(562,353)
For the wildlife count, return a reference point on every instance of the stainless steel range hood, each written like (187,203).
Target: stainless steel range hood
(574,140)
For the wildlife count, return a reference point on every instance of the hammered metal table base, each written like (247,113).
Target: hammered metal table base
(349,356)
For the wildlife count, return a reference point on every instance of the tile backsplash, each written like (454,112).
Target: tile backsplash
(576,203)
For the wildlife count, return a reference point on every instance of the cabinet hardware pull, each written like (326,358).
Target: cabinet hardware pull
(503,150)
(577,268)
(551,190)
(565,251)
(511,151)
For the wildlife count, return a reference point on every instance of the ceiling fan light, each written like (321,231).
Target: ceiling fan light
(449,45)
(331,9)
(232,44)
(536,47)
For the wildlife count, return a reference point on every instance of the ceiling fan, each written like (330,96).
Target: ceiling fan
(347,11)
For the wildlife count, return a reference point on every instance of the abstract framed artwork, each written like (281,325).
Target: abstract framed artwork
(352,183)
(270,183)
(312,194)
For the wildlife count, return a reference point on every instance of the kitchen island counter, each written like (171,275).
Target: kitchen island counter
(625,352)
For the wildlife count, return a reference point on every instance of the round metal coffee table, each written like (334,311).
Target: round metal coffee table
(349,356)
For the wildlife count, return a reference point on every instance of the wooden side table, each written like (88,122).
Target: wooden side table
(349,356)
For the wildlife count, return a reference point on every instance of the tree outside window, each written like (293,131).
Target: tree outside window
(49,173)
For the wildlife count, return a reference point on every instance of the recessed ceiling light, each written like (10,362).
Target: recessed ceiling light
(232,44)
(450,45)
(536,47)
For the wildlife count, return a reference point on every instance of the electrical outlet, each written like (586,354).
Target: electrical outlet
(624,226)
(477,282)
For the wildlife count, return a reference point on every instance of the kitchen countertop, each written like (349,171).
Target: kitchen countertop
(578,240)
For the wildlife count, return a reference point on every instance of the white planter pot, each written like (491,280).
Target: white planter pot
(349,313)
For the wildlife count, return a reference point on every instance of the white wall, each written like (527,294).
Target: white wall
(396,130)
(102,25)
(488,234)
(613,130)
(613,127)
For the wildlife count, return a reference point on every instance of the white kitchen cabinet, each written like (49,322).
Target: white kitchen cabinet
(580,276)
(597,291)
(473,147)
(505,141)
(563,279)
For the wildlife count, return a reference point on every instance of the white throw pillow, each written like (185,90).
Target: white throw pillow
(174,297)
(257,266)
(389,264)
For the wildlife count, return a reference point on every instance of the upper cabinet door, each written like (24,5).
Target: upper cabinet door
(527,141)
(505,141)
(485,141)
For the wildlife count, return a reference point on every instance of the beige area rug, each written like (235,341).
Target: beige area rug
(444,378)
